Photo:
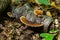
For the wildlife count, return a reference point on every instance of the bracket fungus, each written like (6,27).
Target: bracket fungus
(24,20)
(9,14)
(38,12)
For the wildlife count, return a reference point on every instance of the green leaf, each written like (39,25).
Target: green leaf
(53,31)
(45,2)
(47,36)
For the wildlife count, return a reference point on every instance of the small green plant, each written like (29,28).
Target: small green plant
(47,36)
(45,2)
(53,31)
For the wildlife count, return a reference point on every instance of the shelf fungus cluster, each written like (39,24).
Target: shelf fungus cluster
(32,17)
